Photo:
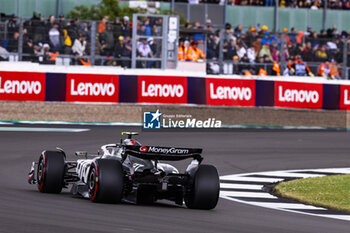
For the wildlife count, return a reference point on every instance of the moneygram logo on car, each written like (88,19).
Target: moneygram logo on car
(153,120)
(163,150)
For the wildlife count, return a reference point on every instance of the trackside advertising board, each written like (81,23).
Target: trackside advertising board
(22,86)
(298,95)
(344,97)
(162,89)
(234,92)
(92,88)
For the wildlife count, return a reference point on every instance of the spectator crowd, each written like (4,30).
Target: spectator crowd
(44,40)
(251,50)
(312,4)
(256,51)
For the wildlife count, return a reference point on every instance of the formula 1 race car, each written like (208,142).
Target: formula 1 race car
(130,172)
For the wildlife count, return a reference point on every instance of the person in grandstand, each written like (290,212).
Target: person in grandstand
(236,69)
(275,69)
(325,70)
(108,36)
(102,24)
(299,67)
(79,45)
(144,50)
(197,53)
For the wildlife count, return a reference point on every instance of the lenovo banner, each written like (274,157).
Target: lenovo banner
(92,88)
(298,95)
(235,92)
(344,97)
(162,89)
(22,86)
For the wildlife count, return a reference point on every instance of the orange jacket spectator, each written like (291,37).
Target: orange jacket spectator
(53,56)
(186,52)
(247,73)
(102,25)
(196,52)
(85,63)
(300,37)
(324,70)
(181,53)
(276,69)
(262,72)
(299,67)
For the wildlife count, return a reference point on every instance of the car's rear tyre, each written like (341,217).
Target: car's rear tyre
(106,181)
(50,175)
(203,192)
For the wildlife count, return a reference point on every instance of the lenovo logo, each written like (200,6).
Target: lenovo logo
(298,96)
(20,87)
(162,90)
(91,89)
(346,97)
(232,93)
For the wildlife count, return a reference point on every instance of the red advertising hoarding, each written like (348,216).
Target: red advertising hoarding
(22,86)
(234,92)
(298,95)
(92,88)
(162,89)
(344,97)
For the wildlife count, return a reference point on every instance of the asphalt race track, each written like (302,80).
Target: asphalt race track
(24,209)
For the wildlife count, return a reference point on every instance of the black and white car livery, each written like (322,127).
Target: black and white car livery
(130,172)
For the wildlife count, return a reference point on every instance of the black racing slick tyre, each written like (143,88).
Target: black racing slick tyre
(50,175)
(204,190)
(106,181)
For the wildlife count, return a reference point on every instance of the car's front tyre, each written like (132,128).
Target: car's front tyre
(51,168)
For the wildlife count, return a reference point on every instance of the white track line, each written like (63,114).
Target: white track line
(241,186)
(289,174)
(342,217)
(250,179)
(39,129)
(246,194)
(334,170)
(272,177)
(294,206)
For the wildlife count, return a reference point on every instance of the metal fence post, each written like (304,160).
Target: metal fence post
(172,5)
(221,54)
(17,8)
(134,35)
(324,25)
(5,36)
(345,59)
(165,30)
(20,40)
(275,22)
(282,61)
(188,13)
(58,8)
(93,41)
(221,45)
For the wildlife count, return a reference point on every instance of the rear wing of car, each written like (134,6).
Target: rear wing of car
(164,153)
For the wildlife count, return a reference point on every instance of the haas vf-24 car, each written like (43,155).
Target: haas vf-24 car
(130,172)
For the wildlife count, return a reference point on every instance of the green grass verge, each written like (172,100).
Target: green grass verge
(331,192)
